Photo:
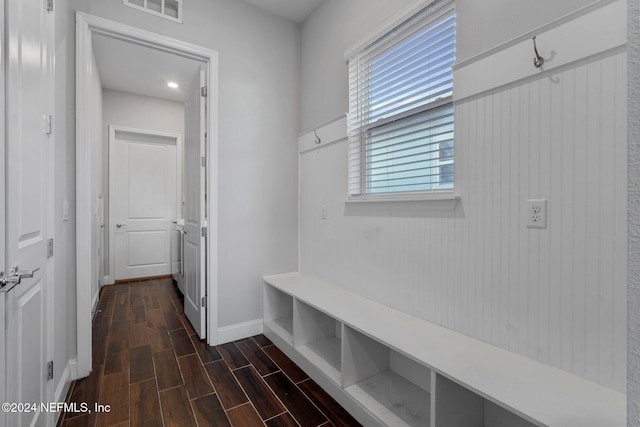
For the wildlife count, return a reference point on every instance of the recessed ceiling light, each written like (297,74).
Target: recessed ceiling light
(173,85)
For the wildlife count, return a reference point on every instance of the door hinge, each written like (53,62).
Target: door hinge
(50,370)
(203,162)
(49,5)
(204,301)
(48,124)
(203,91)
(49,248)
(204,231)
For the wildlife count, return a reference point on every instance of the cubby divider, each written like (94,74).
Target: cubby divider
(278,313)
(454,405)
(317,337)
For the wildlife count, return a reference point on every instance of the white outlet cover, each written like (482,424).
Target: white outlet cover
(536,214)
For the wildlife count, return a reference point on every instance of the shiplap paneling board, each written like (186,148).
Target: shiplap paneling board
(556,295)
(633,383)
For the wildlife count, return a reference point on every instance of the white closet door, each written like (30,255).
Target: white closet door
(29,189)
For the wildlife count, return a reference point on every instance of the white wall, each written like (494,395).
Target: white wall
(259,72)
(556,295)
(485,24)
(141,112)
(138,112)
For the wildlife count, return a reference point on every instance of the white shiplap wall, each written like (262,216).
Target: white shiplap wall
(633,350)
(557,295)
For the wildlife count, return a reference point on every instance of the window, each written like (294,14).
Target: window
(401,108)
(170,9)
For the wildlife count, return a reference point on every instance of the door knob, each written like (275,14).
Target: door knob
(15,276)
(120,225)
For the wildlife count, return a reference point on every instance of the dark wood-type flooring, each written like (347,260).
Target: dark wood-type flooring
(151,368)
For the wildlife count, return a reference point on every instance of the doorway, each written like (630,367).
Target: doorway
(145,199)
(87,27)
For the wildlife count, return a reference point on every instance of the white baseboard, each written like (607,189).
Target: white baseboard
(69,374)
(239,331)
(94,303)
(107,280)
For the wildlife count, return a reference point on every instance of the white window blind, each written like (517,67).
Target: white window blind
(400,122)
(169,9)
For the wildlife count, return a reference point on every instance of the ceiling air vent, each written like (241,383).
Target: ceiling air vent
(169,9)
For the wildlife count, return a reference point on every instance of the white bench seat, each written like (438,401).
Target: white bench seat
(445,370)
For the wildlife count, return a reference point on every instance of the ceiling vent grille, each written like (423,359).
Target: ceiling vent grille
(169,9)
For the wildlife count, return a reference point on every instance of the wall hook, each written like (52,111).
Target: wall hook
(538,61)
(318,140)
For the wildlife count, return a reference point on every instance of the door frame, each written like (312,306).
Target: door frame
(86,26)
(3,255)
(113,130)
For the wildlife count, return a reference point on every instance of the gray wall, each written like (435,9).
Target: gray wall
(333,27)
(482,25)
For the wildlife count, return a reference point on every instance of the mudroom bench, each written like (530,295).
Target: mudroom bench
(388,368)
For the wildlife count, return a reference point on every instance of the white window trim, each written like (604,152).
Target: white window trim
(451,195)
(384,28)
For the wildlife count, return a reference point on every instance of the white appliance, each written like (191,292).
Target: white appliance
(177,252)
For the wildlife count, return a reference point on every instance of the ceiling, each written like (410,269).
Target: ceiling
(129,67)
(295,10)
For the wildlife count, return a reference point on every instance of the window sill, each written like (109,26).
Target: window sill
(441,197)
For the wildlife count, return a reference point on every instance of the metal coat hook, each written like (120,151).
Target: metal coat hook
(538,61)
(318,140)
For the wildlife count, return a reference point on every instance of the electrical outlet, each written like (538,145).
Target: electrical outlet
(323,212)
(537,213)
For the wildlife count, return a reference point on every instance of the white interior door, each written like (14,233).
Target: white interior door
(29,188)
(195,212)
(143,177)
(100,252)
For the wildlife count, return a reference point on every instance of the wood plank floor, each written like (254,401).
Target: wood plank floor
(152,370)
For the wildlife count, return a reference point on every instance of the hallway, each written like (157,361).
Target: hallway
(152,370)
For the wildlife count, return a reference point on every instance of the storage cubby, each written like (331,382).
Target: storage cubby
(454,405)
(497,416)
(317,337)
(278,313)
(392,386)
(391,369)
